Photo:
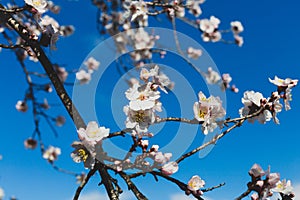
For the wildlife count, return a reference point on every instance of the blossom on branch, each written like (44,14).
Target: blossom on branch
(253,101)
(137,10)
(194,53)
(208,110)
(21,106)
(142,97)
(170,168)
(139,120)
(83,76)
(212,77)
(30,143)
(92,64)
(195,183)
(236,27)
(209,27)
(194,7)
(81,154)
(51,154)
(92,133)
(284,187)
(39,5)
(285,86)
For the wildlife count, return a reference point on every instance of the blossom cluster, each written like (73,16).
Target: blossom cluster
(213,77)
(44,29)
(144,99)
(194,185)
(264,183)
(91,139)
(208,111)
(264,109)
(119,19)
(51,154)
(84,76)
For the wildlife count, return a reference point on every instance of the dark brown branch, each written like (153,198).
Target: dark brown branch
(47,65)
(180,184)
(84,182)
(246,193)
(106,180)
(213,188)
(13,10)
(17,46)
(59,88)
(132,187)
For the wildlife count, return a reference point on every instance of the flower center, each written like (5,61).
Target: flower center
(202,114)
(142,97)
(37,3)
(82,154)
(139,117)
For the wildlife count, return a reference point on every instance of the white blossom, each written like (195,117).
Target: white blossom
(82,154)
(239,40)
(195,183)
(21,106)
(47,20)
(83,76)
(284,187)
(170,168)
(212,77)
(287,83)
(139,120)
(252,103)
(139,11)
(92,63)
(208,110)
(194,53)
(142,98)
(39,5)
(93,133)
(194,7)
(209,25)
(162,158)
(236,27)
(51,154)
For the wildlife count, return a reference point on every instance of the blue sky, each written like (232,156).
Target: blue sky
(271,48)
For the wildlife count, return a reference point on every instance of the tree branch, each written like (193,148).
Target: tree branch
(59,88)
(84,182)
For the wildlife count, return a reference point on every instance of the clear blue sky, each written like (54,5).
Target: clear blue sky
(271,48)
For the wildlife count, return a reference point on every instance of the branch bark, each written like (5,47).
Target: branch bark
(59,88)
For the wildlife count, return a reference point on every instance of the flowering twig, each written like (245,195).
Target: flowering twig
(83,183)
(217,137)
(180,184)
(59,88)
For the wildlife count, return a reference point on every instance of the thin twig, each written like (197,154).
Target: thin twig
(17,46)
(12,10)
(246,193)
(132,187)
(218,137)
(84,182)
